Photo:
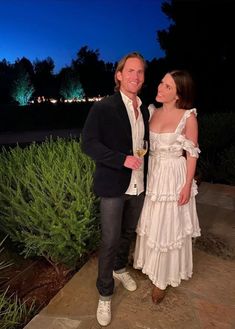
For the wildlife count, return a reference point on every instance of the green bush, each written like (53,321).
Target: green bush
(227,159)
(216,137)
(46,201)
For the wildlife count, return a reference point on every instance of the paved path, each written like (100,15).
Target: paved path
(207,301)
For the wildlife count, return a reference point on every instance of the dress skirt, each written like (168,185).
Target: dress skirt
(164,247)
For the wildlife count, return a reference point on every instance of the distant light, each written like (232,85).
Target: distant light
(42,99)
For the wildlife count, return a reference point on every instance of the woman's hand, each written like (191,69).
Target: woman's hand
(184,195)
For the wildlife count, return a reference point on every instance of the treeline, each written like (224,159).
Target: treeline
(87,74)
(200,38)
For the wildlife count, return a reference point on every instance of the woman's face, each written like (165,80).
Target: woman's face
(166,92)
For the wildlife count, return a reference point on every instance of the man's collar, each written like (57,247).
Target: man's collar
(127,100)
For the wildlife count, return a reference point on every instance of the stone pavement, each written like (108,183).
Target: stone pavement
(207,301)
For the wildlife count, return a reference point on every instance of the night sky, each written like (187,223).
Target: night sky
(59,28)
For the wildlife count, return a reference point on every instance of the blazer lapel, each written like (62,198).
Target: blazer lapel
(145,114)
(123,115)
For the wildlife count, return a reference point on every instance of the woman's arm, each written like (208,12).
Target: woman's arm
(191,133)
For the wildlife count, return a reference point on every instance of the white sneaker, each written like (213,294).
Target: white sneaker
(103,313)
(126,280)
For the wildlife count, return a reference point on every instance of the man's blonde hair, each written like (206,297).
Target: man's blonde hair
(122,63)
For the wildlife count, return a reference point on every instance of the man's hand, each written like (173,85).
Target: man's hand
(133,162)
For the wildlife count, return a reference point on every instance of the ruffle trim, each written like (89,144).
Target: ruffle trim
(170,197)
(169,282)
(174,245)
(189,146)
(151,109)
(189,112)
(183,120)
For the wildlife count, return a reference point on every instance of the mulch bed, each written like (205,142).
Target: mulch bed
(36,280)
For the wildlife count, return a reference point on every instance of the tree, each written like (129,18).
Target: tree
(7,76)
(44,79)
(24,65)
(201,39)
(22,89)
(93,72)
(44,67)
(71,87)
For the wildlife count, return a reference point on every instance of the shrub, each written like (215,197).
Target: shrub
(227,160)
(216,136)
(46,201)
(22,89)
(71,86)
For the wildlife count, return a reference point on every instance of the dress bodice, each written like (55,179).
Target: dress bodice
(165,145)
(167,165)
(172,144)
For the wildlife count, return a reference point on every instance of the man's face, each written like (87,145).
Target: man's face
(132,77)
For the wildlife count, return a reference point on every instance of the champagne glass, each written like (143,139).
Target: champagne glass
(142,148)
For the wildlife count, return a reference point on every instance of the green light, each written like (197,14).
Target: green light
(71,87)
(22,89)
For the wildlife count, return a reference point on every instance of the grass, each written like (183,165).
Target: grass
(14,314)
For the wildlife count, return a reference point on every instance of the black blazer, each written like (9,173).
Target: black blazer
(107,139)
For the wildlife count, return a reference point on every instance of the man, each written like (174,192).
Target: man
(113,130)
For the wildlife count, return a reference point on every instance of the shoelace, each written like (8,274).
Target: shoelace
(126,277)
(104,306)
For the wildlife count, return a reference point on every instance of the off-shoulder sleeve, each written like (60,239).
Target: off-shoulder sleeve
(189,146)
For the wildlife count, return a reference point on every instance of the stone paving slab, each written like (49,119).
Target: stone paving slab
(216,212)
(206,301)
(219,195)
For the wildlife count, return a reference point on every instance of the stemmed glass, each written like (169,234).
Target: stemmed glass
(142,148)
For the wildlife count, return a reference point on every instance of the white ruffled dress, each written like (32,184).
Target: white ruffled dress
(164,233)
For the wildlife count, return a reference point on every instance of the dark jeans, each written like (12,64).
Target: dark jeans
(119,217)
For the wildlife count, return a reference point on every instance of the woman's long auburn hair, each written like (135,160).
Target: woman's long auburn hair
(185,89)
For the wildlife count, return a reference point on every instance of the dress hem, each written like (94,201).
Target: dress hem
(170,282)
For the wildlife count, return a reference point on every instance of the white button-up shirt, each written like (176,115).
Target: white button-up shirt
(137,129)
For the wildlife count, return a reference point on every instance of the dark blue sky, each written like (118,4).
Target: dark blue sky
(59,28)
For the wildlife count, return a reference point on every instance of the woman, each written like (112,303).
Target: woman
(169,218)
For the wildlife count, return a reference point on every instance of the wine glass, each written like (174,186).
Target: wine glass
(142,148)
